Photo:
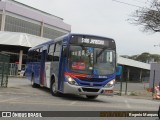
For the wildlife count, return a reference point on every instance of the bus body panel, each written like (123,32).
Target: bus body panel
(80,90)
(47,76)
(33,69)
(51,70)
(36,72)
(54,71)
(42,67)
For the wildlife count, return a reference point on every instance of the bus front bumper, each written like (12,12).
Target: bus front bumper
(82,90)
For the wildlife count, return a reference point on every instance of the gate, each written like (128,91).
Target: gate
(13,69)
(4,70)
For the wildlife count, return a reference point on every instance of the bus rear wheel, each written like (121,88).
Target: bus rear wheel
(91,96)
(53,88)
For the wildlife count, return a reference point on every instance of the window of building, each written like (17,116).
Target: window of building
(17,25)
(51,33)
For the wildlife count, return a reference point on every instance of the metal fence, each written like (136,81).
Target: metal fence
(4,70)
(13,69)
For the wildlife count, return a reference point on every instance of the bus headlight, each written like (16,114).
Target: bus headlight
(110,84)
(70,80)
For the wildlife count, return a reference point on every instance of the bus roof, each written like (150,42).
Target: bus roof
(70,34)
(41,45)
(48,42)
(66,35)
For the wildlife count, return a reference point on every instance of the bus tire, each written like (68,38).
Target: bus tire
(91,96)
(53,88)
(34,85)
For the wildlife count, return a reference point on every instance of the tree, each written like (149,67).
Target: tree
(146,57)
(149,17)
(156,57)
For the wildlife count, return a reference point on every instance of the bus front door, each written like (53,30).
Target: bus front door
(62,62)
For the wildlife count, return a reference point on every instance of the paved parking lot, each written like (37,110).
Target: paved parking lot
(23,86)
(20,96)
(136,90)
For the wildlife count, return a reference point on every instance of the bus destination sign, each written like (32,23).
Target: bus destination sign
(92,41)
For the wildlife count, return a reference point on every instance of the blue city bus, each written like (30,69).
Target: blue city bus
(74,64)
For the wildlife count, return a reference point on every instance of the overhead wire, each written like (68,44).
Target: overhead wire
(147,1)
(127,3)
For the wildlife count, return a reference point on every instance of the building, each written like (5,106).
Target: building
(17,19)
(134,71)
(154,75)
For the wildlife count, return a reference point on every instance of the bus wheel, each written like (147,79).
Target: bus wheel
(32,82)
(91,96)
(53,88)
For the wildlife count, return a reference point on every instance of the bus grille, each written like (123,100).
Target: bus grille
(93,80)
(90,90)
(94,84)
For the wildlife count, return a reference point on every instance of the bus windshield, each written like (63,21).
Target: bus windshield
(91,60)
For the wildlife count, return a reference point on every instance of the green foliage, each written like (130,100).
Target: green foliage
(146,57)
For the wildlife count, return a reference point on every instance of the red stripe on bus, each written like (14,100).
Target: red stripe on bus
(75,75)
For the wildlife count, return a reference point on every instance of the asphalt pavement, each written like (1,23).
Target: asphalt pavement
(20,96)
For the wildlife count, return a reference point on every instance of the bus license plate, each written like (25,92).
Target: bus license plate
(108,91)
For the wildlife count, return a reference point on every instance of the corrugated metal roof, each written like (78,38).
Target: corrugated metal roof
(21,39)
(133,63)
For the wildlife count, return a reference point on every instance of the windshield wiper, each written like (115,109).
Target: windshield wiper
(100,53)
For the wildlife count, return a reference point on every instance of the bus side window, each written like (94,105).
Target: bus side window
(50,52)
(39,55)
(57,51)
(37,52)
(29,56)
(33,56)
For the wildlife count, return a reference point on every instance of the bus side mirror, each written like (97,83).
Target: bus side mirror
(118,70)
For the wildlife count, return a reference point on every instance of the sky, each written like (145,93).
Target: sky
(106,18)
